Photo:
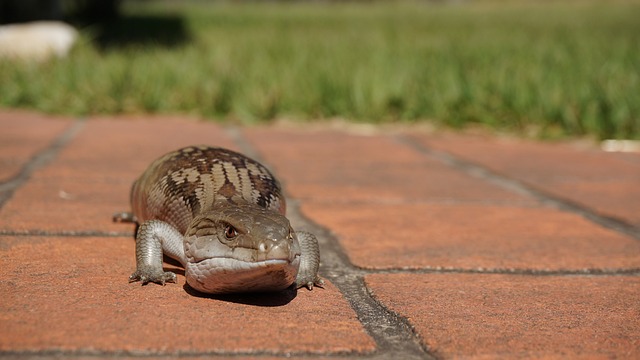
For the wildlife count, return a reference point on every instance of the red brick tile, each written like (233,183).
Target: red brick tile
(92,355)
(72,294)
(472,236)
(336,167)
(23,135)
(605,182)
(92,176)
(632,157)
(510,316)
(67,205)
(617,198)
(126,146)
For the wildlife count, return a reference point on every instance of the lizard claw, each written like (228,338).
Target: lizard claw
(309,284)
(124,217)
(158,277)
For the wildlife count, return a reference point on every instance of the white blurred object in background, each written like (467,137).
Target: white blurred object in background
(620,145)
(39,40)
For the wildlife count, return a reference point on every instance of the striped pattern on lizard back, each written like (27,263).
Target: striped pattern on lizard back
(192,180)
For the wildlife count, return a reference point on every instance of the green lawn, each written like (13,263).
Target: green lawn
(549,69)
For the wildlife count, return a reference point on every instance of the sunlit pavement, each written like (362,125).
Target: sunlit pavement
(435,244)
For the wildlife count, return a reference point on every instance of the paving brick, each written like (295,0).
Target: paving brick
(473,236)
(511,316)
(72,294)
(619,198)
(125,146)
(332,166)
(90,355)
(67,205)
(632,157)
(92,176)
(23,135)
(605,182)
(391,207)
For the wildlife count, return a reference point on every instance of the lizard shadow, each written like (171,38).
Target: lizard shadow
(266,299)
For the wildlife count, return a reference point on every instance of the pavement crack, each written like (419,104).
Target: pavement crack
(508,271)
(519,187)
(394,336)
(38,161)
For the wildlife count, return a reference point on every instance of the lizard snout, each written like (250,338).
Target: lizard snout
(275,249)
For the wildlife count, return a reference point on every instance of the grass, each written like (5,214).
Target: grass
(552,69)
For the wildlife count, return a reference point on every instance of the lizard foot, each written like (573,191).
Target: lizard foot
(146,276)
(124,217)
(308,283)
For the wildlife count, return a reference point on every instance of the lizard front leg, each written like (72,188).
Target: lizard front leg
(154,238)
(309,261)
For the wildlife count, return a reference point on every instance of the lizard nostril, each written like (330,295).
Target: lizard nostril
(269,244)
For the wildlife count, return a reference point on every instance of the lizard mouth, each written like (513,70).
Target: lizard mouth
(259,262)
(225,275)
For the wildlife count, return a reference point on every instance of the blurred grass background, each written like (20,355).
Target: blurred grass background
(546,69)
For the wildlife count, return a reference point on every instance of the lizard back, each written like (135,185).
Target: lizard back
(184,183)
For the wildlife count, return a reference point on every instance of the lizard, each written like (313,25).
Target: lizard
(220,214)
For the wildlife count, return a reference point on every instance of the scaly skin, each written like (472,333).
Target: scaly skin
(221,215)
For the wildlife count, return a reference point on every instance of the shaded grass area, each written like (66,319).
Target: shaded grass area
(549,69)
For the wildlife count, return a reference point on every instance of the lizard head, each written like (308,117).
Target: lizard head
(241,248)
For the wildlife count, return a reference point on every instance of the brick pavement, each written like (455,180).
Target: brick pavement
(434,245)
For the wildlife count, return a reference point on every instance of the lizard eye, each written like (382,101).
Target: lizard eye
(230,232)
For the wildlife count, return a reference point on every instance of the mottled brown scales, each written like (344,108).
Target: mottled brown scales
(203,228)
(228,190)
(196,178)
